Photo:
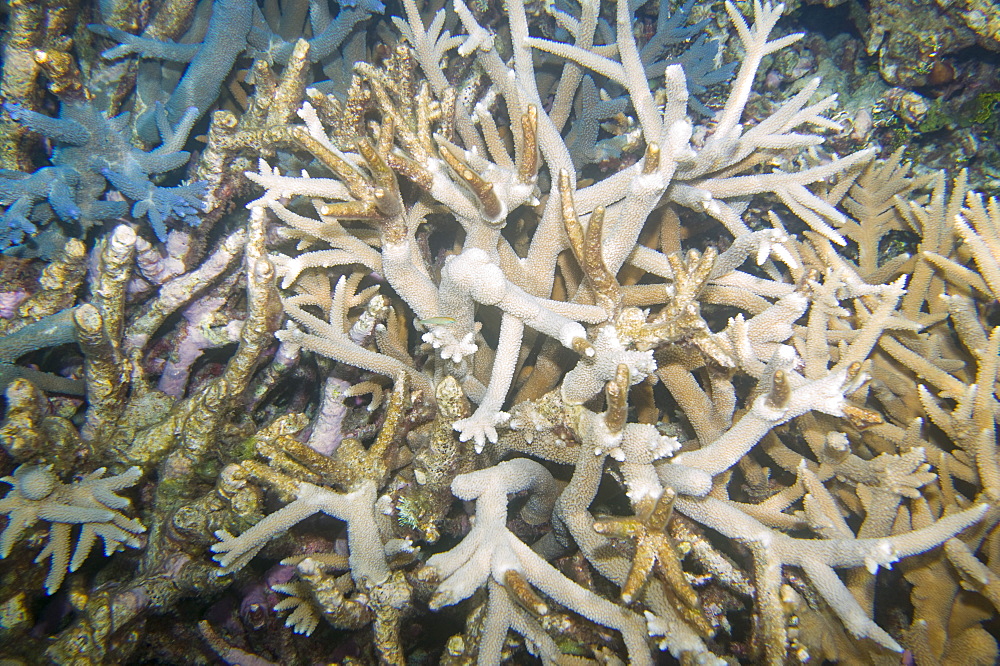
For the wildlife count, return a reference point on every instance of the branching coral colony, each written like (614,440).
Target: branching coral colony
(603,444)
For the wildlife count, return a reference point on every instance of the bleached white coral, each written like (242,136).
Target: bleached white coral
(582,277)
(37,494)
(356,508)
(452,348)
(490,552)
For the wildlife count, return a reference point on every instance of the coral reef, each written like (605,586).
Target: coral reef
(912,39)
(454,332)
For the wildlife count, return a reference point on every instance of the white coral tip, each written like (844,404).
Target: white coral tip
(882,554)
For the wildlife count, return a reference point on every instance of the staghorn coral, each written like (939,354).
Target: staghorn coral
(484,185)
(486,380)
(38,494)
(93,153)
(491,552)
(235,26)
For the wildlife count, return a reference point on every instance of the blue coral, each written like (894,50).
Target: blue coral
(675,42)
(236,26)
(183,202)
(91,152)
(52,331)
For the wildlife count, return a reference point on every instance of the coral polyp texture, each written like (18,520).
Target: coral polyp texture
(470,333)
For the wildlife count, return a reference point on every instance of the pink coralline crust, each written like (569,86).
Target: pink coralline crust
(193,343)
(9,300)
(159,265)
(328,431)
